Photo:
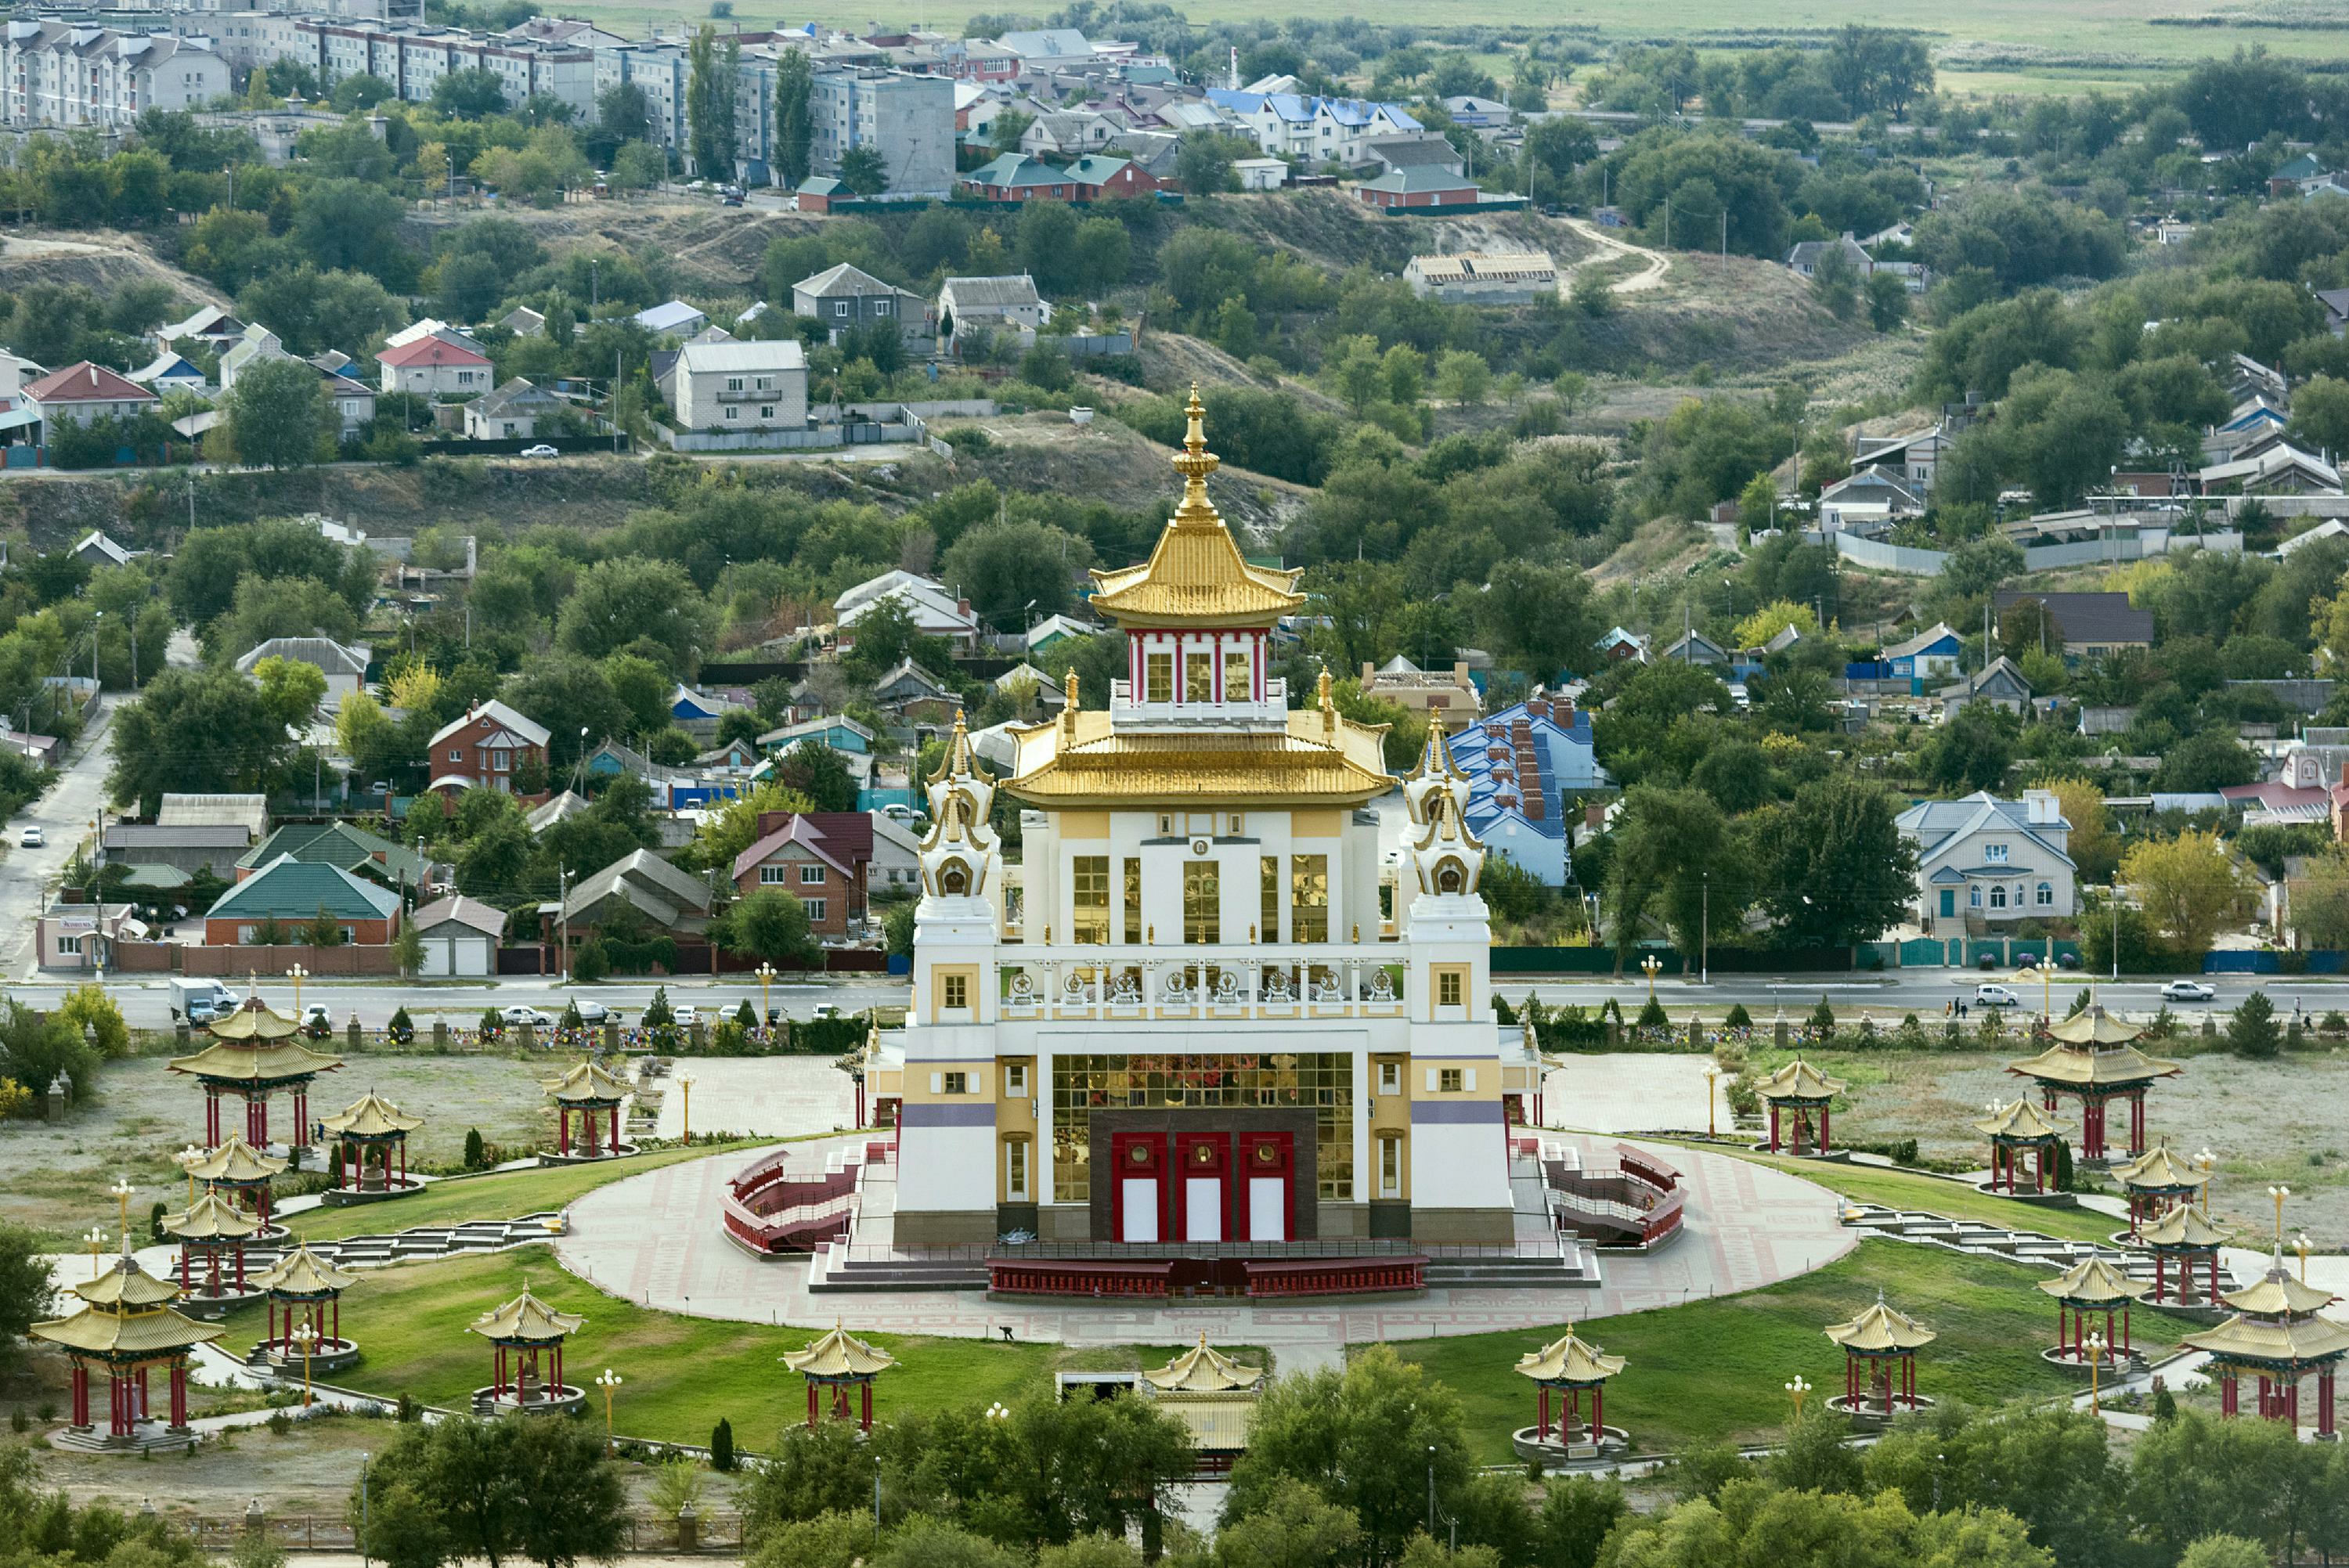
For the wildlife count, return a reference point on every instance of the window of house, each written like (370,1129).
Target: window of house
(1088,898)
(766,411)
(1308,898)
(1268,922)
(1015,1170)
(1997,895)
(1199,678)
(1132,874)
(732,412)
(733,383)
(1015,1081)
(1202,902)
(1390,1166)
(1451,1080)
(1448,988)
(1994,853)
(1390,1077)
(771,875)
(1158,677)
(68,944)
(954,991)
(2046,895)
(956,1083)
(455,755)
(816,908)
(811,876)
(1973,897)
(1236,683)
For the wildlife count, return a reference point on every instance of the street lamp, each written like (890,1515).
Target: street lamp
(1651,966)
(1798,1390)
(121,1192)
(1712,1076)
(766,973)
(2206,1159)
(2301,1244)
(685,1113)
(2279,1194)
(186,1160)
(96,1239)
(997,1412)
(306,1335)
(610,1383)
(298,975)
(2095,1346)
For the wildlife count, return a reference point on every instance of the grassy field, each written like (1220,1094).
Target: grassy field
(503,1196)
(1908,1190)
(1992,1325)
(681,1373)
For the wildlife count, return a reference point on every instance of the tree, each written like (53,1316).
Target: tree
(1835,283)
(1577,1515)
(1204,159)
(2225,1552)
(408,949)
(2187,885)
(241,749)
(2320,900)
(2253,1032)
(473,93)
(277,414)
(1003,566)
(712,69)
(864,170)
(1293,1526)
(795,121)
(722,1446)
(1840,872)
(1462,378)
(574,1507)
(814,772)
(291,689)
(1887,300)
(630,601)
(2094,847)
(769,924)
(1973,750)
(1757,629)
(24,1285)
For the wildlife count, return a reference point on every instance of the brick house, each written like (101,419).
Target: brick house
(822,858)
(292,892)
(1418,185)
(484,748)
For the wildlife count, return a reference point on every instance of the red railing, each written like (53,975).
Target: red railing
(1642,1197)
(771,1209)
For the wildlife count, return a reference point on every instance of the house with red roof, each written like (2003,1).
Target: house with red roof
(821,858)
(84,393)
(436,368)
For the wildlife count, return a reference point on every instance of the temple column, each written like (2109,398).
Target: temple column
(1774,1126)
(179,1394)
(562,1130)
(1826,1141)
(80,1394)
(1541,1425)
(812,1396)
(2325,1403)
(1598,1426)
(865,1415)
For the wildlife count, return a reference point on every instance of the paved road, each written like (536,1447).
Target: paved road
(1924,992)
(64,815)
(146,1002)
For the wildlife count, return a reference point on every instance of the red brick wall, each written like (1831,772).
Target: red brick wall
(363,932)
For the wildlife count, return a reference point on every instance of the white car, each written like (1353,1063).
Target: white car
(594,1012)
(32,839)
(519,1015)
(2189,991)
(314,1015)
(686,1015)
(540,450)
(1996,997)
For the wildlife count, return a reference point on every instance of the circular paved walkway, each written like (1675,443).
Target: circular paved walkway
(655,1238)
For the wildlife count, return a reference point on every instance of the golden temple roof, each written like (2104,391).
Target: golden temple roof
(2276,1293)
(266,1063)
(2022,1121)
(2094,1282)
(1320,759)
(2092,1026)
(254,1022)
(2158,1171)
(1880,1329)
(127,1286)
(839,1353)
(526,1318)
(212,1217)
(237,1162)
(2076,1067)
(2183,1226)
(304,1274)
(1195,576)
(372,1116)
(1203,1369)
(1799,1080)
(142,1331)
(586,1081)
(1570,1359)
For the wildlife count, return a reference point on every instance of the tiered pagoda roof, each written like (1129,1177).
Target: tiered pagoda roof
(236,1163)
(2093,1282)
(526,1320)
(1203,1369)
(126,1316)
(2275,1324)
(2184,1229)
(372,1116)
(839,1353)
(2020,1122)
(1881,1330)
(1799,1081)
(2158,1171)
(2093,1050)
(587,1084)
(1571,1360)
(212,1217)
(303,1273)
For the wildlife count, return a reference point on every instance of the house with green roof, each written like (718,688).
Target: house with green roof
(1417,185)
(355,850)
(292,894)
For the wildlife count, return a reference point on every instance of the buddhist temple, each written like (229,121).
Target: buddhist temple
(210,1229)
(528,1367)
(1800,1094)
(2020,1134)
(245,1172)
(2093,1056)
(372,1139)
(2090,1287)
(2277,1335)
(254,1054)
(2155,1181)
(1879,1349)
(1213,1397)
(594,1096)
(2184,1242)
(125,1327)
(1567,1368)
(836,1362)
(304,1287)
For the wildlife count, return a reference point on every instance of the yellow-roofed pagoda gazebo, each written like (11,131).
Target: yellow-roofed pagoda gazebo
(2156,1181)
(2090,1287)
(838,1361)
(210,1228)
(2277,1335)
(244,1172)
(302,1286)
(2094,1056)
(594,1096)
(2020,1134)
(372,1139)
(124,1328)
(254,1054)
(1567,1368)
(1212,1394)
(2184,1242)
(1801,1092)
(528,1367)
(1880,1362)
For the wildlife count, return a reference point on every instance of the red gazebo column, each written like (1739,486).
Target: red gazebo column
(615,1127)
(1774,1126)
(1598,1426)
(1827,1141)
(179,1394)
(811,1405)
(2324,1402)
(865,1416)
(562,1129)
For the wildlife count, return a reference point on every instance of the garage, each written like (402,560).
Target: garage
(460,938)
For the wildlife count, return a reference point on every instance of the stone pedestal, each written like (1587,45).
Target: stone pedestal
(439,1034)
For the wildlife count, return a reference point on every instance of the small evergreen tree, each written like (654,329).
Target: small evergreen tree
(1652,1016)
(492,1025)
(155,1225)
(2063,1165)
(400,1028)
(722,1446)
(2081,1003)
(475,1156)
(746,1015)
(591,961)
(571,1018)
(1822,1018)
(335,1165)
(659,1014)
(1739,1019)
(2254,1033)
(324,930)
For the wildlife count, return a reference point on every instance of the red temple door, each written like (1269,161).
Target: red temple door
(1139,1196)
(1206,1196)
(1267,1165)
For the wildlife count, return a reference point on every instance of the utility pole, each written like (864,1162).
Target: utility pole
(1704,928)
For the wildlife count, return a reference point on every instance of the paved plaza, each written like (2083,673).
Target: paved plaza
(1631,1091)
(760,1097)
(655,1239)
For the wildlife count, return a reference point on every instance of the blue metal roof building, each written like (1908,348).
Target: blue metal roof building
(1522,763)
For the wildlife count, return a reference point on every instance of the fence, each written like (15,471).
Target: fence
(220,963)
(510,446)
(823,438)
(219,1534)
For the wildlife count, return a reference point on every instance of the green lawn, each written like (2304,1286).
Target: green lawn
(503,1196)
(1717,1370)
(681,1373)
(1957,1200)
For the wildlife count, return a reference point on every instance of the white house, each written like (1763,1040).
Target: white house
(756,386)
(1986,860)
(1261,173)
(434,366)
(344,665)
(935,610)
(999,304)
(256,344)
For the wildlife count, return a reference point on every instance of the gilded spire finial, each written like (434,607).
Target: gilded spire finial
(1194,463)
(1321,691)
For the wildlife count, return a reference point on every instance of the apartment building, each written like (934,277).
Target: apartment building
(657,68)
(57,74)
(909,118)
(413,58)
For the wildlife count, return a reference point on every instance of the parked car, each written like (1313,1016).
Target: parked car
(519,1015)
(688,1015)
(31,838)
(2189,991)
(1996,997)
(826,1010)
(540,450)
(594,1012)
